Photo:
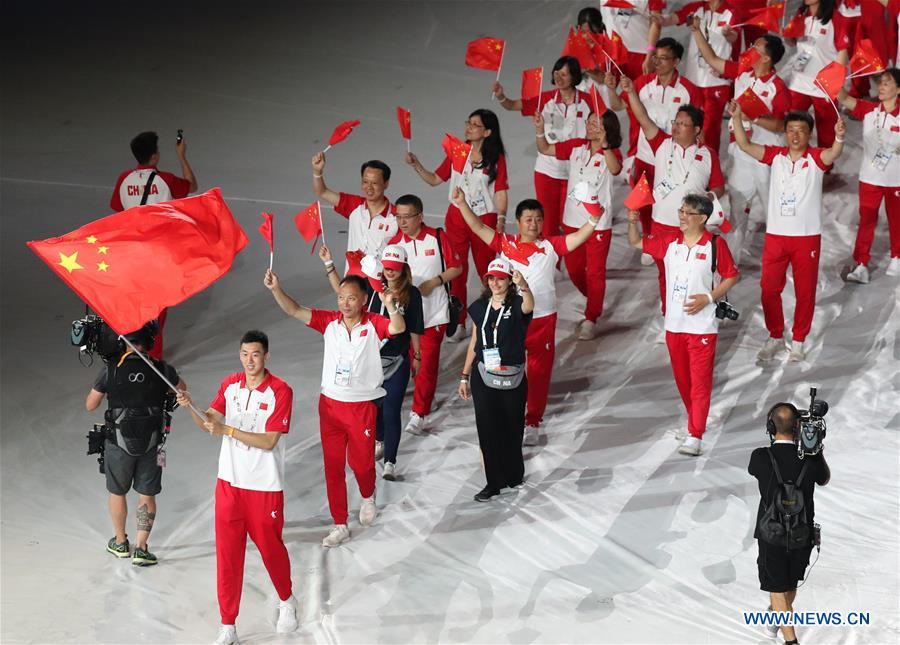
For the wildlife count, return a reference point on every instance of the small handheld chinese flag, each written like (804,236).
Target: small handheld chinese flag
(485,53)
(598,105)
(641,195)
(796,28)
(751,105)
(747,60)
(865,59)
(616,50)
(532,79)
(457,151)
(267,230)
(404,119)
(580,48)
(341,132)
(309,222)
(768,18)
(354,263)
(831,79)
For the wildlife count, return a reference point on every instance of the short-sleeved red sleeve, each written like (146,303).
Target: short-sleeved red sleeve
(655,246)
(716,178)
(347,203)
(816,154)
(781,102)
(178,186)
(771,152)
(321,319)
(731,70)
(862,108)
(725,266)
(496,243)
(688,10)
(381,325)
(657,5)
(564,149)
(658,140)
(444,170)
(115,201)
(218,403)
(559,244)
(501,181)
(280,419)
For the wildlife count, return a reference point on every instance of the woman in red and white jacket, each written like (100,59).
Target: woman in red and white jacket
(593,162)
(485,184)
(565,110)
(879,172)
(824,40)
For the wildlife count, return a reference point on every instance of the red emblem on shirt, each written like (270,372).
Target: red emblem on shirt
(364,332)
(677,99)
(823,31)
(721,23)
(895,128)
(263,406)
(764,93)
(579,115)
(701,256)
(698,157)
(429,251)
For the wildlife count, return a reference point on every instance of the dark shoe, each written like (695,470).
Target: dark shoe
(118,550)
(485,494)
(143,557)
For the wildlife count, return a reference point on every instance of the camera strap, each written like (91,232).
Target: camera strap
(149,183)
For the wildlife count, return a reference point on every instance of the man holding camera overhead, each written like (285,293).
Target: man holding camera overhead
(692,260)
(136,421)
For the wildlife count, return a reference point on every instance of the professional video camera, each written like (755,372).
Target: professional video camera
(811,435)
(91,335)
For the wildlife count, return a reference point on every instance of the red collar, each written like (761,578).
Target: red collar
(423,232)
(557,97)
(145,166)
(675,77)
(766,78)
(259,388)
(894,112)
(705,238)
(388,207)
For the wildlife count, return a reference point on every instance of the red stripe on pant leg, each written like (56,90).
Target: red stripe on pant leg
(361,444)
(333,430)
(892,206)
(458,234)
(774,276)
(701,355)
(597,251)
(265,522)
(869,203)
(540,346)
(426,378)
(231,547)
(681,367)
(576,263)
(804,255)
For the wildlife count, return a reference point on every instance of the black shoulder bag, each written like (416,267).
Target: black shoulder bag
(455,307)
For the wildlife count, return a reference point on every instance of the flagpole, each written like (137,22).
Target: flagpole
(327,148)
(271,259)
(830,100)
(159,374)
(860,71)
(499,67)
(321,225)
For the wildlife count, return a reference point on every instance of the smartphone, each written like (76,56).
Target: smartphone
(180,137)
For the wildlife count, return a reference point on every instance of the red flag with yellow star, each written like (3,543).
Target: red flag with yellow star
(831,78)
(267,230)
(577,46)
(485,53)
(457,151)
(309,222)
(751,105)
(747,60)
(130,266)
(641,195)
(532,79)
(796,28)
(405,120)
(768,18)
(615,48)
(865,59)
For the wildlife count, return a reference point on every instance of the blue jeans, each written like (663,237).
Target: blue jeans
(388,425)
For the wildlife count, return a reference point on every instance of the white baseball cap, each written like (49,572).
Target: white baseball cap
(499,268)
(373,270)
(394,257)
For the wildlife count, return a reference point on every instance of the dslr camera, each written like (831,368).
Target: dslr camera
(811,435)
(725,310)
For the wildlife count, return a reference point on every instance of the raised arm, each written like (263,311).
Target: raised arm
(634,235)
(740,134)
(831,155)
(579,237)
(319,188)
(713,60)
(615,101)
(524,291)
(513,105)
(846,100)
(397,321)
(186,171)
(427,176)
(543,146)
(288,305)
(330,271)
(486,233)
(649,128)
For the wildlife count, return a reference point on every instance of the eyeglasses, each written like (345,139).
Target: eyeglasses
(658,57)
(681,211)
(469,124)
(403,218)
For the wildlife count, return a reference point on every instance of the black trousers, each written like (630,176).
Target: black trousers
(500,419)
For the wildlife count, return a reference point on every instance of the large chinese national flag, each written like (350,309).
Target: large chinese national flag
(130,266)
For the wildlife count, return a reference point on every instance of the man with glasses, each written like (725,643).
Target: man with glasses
(433,264)
(691,294)
(683,166)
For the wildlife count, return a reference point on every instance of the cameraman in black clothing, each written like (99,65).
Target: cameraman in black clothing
(779,568)
(135,426)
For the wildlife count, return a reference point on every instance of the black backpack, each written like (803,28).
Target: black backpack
(783,522)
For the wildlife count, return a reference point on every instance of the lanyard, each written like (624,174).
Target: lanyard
(240,411)
(487,313)
(672,158)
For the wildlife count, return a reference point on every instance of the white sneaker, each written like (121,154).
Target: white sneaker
(772,347)
(368,511)
(388,473)
(860,274)
(647,260)
(531,436)
(771,629)
(587,330)
(691,446)
(797,352)
(416,424)
(459,335)
(379,450)
(339,534)
(287,616)
(227,636)
(893,268)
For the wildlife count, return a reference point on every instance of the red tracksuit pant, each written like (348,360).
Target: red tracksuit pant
(714,101)
(540,347)
(824,114)
(587,269)
(259,514)
(426,378)
(869,202)
(643,168)
(692,357)
(670,232)
(802,253)
(551,193)
(348,435)
(462,239)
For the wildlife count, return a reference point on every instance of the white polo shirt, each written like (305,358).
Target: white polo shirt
(424,260)
(267,408)
(366,233)
(679,172)
(588,175)
(795,192)
(880,164)
(633,25)
(689,272)
(819,46)
(351,367)
(561,122)
(712,25)
(774,94)
(662,103)
(475,184)
(543,254)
